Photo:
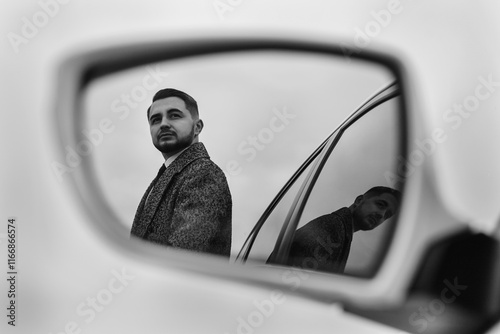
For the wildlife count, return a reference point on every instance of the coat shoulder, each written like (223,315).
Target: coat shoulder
(205,166)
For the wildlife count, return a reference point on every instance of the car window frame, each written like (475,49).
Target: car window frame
(248,244)
(282,247)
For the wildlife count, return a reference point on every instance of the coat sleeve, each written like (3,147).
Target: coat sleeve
(201,219)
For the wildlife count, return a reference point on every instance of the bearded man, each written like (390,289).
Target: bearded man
(188,205)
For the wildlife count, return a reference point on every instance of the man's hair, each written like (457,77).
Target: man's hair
(377,191)
(191,104)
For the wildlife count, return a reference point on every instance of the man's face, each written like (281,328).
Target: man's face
(372,211)
(172,126)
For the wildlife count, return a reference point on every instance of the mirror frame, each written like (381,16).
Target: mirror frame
(90,62)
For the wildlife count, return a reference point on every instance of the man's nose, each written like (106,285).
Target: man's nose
(165,122)
(385,213)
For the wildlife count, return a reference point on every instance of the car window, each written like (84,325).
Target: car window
(365,154)
(263,239)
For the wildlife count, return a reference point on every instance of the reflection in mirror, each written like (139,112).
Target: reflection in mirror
(347,218)
(262,113)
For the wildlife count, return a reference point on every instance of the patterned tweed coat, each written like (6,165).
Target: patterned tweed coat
(189,205)
(323,243)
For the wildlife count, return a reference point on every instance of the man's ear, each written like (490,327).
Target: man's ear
(358,200)
(198,126)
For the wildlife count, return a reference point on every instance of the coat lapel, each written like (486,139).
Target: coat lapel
(138,226)
(195,151)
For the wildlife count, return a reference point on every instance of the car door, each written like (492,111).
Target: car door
(362,152)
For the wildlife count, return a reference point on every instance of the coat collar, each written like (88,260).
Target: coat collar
(193,152)
(165,175)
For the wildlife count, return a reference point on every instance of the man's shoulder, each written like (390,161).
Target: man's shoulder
(203,173)
(328,222)
(202,164)
(333,217)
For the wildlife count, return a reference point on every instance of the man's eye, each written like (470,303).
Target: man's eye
(175,116)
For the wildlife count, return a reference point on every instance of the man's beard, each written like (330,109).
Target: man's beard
(178,145)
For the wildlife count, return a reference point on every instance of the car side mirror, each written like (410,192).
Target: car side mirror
(274,109)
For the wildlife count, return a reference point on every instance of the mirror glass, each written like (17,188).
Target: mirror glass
(263,111)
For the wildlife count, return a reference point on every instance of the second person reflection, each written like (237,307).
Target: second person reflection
(324,243)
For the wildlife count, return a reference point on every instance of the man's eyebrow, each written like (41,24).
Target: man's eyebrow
(169,111)
(384,202)
(174,110)
(151,115)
